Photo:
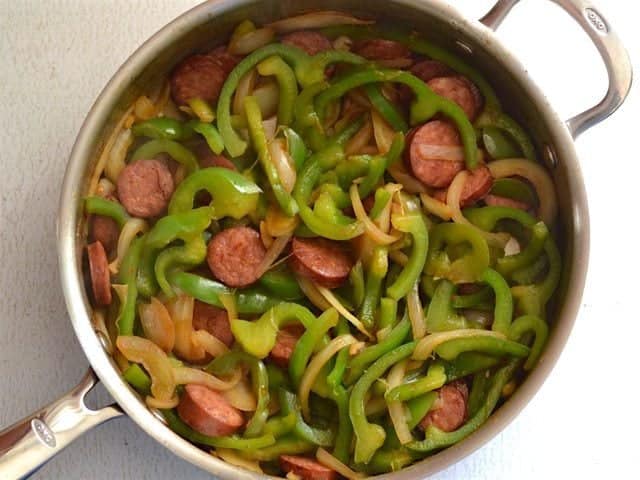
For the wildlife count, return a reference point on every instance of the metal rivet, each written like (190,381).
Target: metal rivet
(550,157)
(464,46)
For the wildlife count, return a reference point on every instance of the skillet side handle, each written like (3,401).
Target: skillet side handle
(34,440)
(613,53)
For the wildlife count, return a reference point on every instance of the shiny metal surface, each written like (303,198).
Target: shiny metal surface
(206,25)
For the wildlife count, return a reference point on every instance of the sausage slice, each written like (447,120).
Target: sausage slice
(234,256)
(310,42)
(225,60)
(477,186)
(145,188)
(286,341)
(208,412)
(104,230)
(427,70)
(201,76)
(306,468)
(459,90)
(429,167)
(214,320)
(324,261)
(99,272)
(207,158)
(450,409)
(379,49)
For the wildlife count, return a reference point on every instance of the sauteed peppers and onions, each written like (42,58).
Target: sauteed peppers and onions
(322,249)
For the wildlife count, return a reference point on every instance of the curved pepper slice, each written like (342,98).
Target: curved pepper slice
(174,149)
(533,324)
(441,316)
(127,276)
(414,224)
(101,206)
(288,86)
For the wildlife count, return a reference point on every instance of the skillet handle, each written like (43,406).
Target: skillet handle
(34,440)
(613,53)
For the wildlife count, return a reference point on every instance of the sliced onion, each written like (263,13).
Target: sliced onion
(241,396)
(278,224)
(115,163)
(512,247)
(436,207)
(265,235)
(157,324)
(396,408)
(154,402)
(244,89)
(106,188)
(181,311)
(450,153)
(283,163)
(267,96)
(332,115)
(315,365)
(416,313)
(374,406)
(250,41)
(371,229)
(428,344)
(234,458)
(382,132)
(480,317)
(538,177)
(400,174)
(270,126)
(311,292)
(272,254)
(360,140)
(313,20)
(399,257)
(154,361)
(342,43)
(187,375)
(211,344)
(335,303)
(131,229)
(336,465)
(143,108)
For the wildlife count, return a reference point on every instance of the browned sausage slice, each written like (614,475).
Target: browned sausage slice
(227,61)
(379,49)
(197,76)
(99,271)
(207,158)
(208,412)
(324,261)
(477,186)
(104,230)
(145,188)
(306,468)
(234,256)
(498,201)
(310,42)
(214,320)
(427,70)
(427,164)
(450,409)
(459,90)
(286,341)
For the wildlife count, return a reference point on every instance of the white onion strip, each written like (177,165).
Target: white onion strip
(154,402)
(537,175)
(313,20)
(157,324)
(428,344)
(396,408)
(131,229)
(436,207)
(404,178)
(371,229)
(335,303)
(283,163)
(232,457)
(333,463)
(274,251)
(209,343)
(383,133)
(311,292)
(243,90)
(250,41)
(315,365)
(187,375)
(241,396)
(115,160)
(360,139)
(416,313)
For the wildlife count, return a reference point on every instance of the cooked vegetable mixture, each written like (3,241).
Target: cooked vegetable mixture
(329,246)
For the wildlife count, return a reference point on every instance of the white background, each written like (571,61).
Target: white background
(55,57)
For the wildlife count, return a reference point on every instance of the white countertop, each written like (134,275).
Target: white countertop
(55,57)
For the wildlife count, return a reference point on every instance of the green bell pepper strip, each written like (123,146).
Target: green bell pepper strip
(289,404)
(192,253)
(137,378)
(258,337)
(479,386)
(160,127)
(514,189)
(376,271)
(370,354)
(295,146)
(381,198)
(503,122)
(210,134)
(425,106)
(531,299)
(280,426)
(314,70)
(107,208)
(233,195)
(281,283)
(496,346)
(370,437)
(307,343)
(277,378)
(498,145)
(232,442)
(175,150)
(127,276)
(534,324)
(252,300)
(468,363)
(472,300)
(528,275)
(286,81)
(307,178)
(356,280)
(436,438)
(305,113)
(418,407)
(465,269)
(507,265)
(487,218)
(385,108)
(503,311)
(227,364)
(388,313)
(389,460)
(379,164)
(415,225)
(260,144)
(434,379)
(287,445)
(440,314)
(181,226)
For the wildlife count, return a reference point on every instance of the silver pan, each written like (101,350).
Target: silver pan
(29,443)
